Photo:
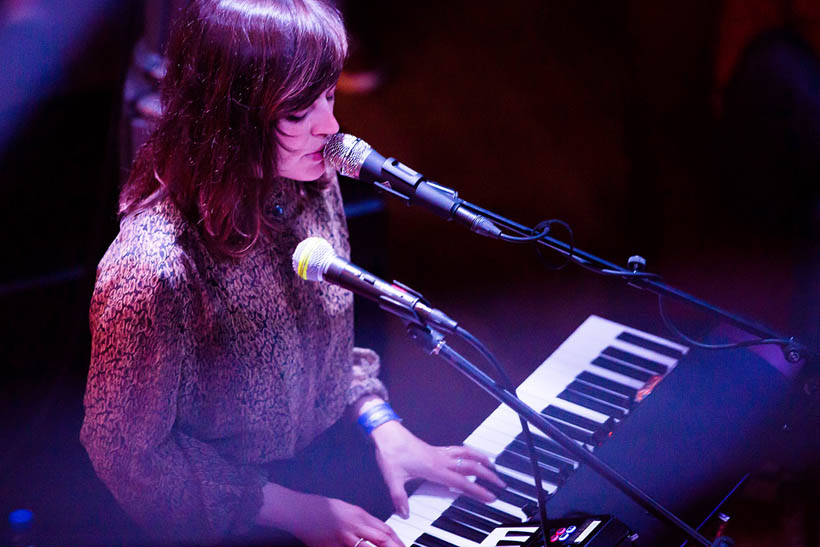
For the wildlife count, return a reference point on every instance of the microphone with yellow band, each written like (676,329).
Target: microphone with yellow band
(315,260)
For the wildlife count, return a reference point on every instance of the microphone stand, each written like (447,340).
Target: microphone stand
(793,352)
(433,343)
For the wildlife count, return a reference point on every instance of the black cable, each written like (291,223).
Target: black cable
(525,427)
(747,343)
(525,239)
(547,225)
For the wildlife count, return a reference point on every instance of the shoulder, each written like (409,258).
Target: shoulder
(149,254)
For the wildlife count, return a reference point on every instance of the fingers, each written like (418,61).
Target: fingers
(469,453)
(375,533)
(469,461)
(471,468)
(399,496)
(462,483)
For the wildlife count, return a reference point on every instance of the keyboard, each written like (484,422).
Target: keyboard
(593,382)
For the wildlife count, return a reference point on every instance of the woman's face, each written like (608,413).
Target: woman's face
(302,138)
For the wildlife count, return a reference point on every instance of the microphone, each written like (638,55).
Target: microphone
(353,157)
(315,260)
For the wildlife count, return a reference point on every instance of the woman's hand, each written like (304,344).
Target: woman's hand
(318,521)
(403,456)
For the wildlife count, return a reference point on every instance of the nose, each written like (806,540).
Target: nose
(325,122)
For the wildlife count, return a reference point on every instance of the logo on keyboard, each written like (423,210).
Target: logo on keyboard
(503,534)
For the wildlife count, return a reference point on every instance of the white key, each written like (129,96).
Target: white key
(407,530)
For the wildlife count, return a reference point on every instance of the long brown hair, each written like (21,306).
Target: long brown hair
(236,67)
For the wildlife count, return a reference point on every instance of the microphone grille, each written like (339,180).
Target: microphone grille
(312,258)
(346,153)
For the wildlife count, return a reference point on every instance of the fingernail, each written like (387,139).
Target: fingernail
(405,513)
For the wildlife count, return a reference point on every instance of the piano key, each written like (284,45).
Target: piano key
(426,540)
(550,446)
(522,464)
(459,529)
(621,368)
(548,462)
(410,529)
(643,352)
(506,421)
(657,347)
(572,408)
(583,400)
(548,481)
(510,494)
(638,361)
(589,390)
(609,384)
(427,518)
(617,377)
(438,498)
(596,333)
(470,519)
(522,483)
(448,537)
(490,513)
(578,434)
(546,458)
(564,415)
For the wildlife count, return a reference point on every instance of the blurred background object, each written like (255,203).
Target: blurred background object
(686,132)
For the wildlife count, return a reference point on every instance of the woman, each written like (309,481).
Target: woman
(210,358)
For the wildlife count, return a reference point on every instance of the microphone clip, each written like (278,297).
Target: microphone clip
(404,311)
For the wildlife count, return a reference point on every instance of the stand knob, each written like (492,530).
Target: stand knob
(636,263)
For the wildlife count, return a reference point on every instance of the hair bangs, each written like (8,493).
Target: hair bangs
(319,51)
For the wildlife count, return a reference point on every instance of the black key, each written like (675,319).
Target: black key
(606,383)
(459,529)
(547,445)
(474,521)
(574,419)
(522,465)
(600,394)
(620,368)
(545,458)
(575,433)
(513,485)
(426,540)
(592,404)
(636,360)
(490,513)
(639,341)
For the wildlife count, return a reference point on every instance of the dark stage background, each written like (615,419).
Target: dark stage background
(687,132)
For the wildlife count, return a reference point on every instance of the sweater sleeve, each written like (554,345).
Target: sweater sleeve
(365,381)
(175,486)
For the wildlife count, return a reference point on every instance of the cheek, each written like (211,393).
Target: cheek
(287,150)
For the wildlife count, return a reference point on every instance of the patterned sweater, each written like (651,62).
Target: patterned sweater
(203,369)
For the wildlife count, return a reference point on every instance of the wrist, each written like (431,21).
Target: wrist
(282,507)
(387,432)
(375,416)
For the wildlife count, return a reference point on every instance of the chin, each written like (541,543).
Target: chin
(305,174)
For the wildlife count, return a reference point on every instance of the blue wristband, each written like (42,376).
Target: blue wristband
(377,415)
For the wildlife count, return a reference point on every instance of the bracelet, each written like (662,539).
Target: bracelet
(377,415)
